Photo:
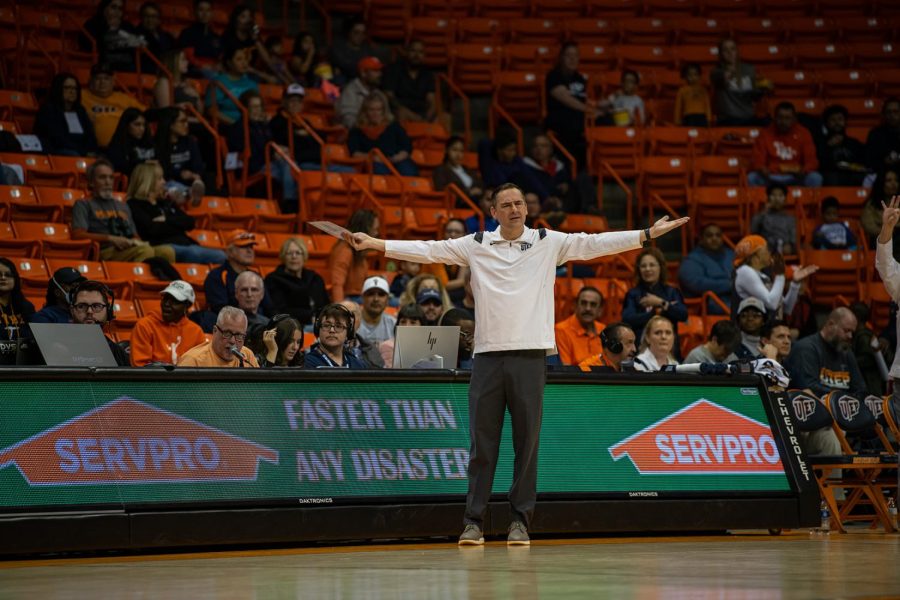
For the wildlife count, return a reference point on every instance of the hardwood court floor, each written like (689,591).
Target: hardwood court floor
(800,565)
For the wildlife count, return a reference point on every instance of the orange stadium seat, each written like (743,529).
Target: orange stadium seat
(529,57)
(785,8)
(721,205)
(436,33)
(846,83)
(427,160)
(838,274)
(193,273)
(810,29)
(474,66)
(792,83)
(63,198)
(736,141)
(856,29)
(809,106)
(864,112)
(852,200)
(679,9)
(728,8)
(385,19)
(426,135)
(90,269)
(33,273)
(442,8)
(594,57)
(667,178)
(823,55)
(480,30)
(679,141)
(20,248)
(610,9)
(618,147)
(700,30)
(9,126)
(875,55)
(208,238)
(887,83)
(587,31)
(754,30)
(502,9)
(557,9)
(707,56)
(535,31)
(648,31)
(645,57)
(56,240)
(717,170)
(767,56)
(521,95)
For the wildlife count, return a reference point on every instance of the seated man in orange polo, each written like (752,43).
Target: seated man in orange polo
(226,348)
(618,346)
(165,334)
(578,337)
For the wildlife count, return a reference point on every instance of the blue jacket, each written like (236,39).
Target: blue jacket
(219,289)
(315,358)
(637,316)
(704,271)
(51,314)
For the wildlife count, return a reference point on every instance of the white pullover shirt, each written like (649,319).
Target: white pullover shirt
(889,270)
(512,281)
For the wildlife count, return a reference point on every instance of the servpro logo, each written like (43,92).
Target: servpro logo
(702,438)
(126,441)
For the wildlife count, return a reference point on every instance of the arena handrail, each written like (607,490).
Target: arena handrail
(443,79)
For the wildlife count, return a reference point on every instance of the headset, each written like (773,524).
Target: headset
(94,286)
(317,324)
(614,345)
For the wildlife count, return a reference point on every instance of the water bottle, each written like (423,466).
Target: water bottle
(825,526)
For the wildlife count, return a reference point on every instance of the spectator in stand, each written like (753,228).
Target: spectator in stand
(131,144)
(242,33)
(62,123)
(618,347)
(235,79)
(259,135)
(376,326)
(292,288)
(452,170)
(368,354)
(751,318)
(841,158)
(281,343)
(567,103)
(333,325)
(349,107)
(104,105)
(348,268)
(116,39)
(785,153)
(160,220)
(708,268)
(307,152)
(692,107)
(239,257)
(177,90)
(92,304)
(736,89)
(347,52)
(409,315)
(532,209)
(103,219)
(15,311)
(275,48)
(499,160)
(777,336)
(752,260)
(406,270)
(427,281)
(56,304)
(228,337)
(651,295)
(889,270)
(776,225)
(883,142)
(866,346)
(548,177)
(249,291)
(462,318)
(824,362)
(578,337)
(724,338)
(179,155)
(158,40)
(202,45)
(885,187)
(376,128)
(304,60)
(657,343)
(162,335)
(624,107)
(490,223)
(452,277)
(429,300)
(833,234)
(409,86)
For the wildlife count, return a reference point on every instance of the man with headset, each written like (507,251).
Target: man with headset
(513,273)
(618,342)
(331,328)
(91,303)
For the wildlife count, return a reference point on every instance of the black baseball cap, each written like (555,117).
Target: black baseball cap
(68,276)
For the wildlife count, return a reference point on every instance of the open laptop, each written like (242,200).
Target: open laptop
(426,347)
(72,345)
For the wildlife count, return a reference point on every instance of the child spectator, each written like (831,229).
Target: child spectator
(132,143)
(177,90)
(242,33)
(62,123)
(692,107)
(179,154)
(625,106)
(833,234)
(235,79)
(774,224)
(406,270)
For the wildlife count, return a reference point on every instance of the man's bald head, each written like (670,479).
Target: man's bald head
(839,328)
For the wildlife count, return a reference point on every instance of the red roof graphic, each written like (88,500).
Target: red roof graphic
(127,441)
(702,438)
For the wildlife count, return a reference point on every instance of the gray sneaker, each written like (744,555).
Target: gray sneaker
(518,535)
(471,536)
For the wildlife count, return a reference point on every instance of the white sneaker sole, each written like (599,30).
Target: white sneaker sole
(518,543)
(478,542)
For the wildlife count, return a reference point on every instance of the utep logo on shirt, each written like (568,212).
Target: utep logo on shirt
(127,441)
(835,379)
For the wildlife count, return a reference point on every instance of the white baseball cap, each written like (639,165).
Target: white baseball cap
(181,291)
(752,302)
(376,282)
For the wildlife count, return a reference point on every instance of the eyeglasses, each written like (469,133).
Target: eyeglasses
(293,253)
(231,335)
(7,275)
(94,308)
(334,327)
(465,335)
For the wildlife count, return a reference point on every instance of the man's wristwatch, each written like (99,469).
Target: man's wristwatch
(647,239)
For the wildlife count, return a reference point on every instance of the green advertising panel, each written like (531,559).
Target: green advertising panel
(65,443)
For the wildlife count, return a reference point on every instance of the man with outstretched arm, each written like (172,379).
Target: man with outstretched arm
(513,269)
